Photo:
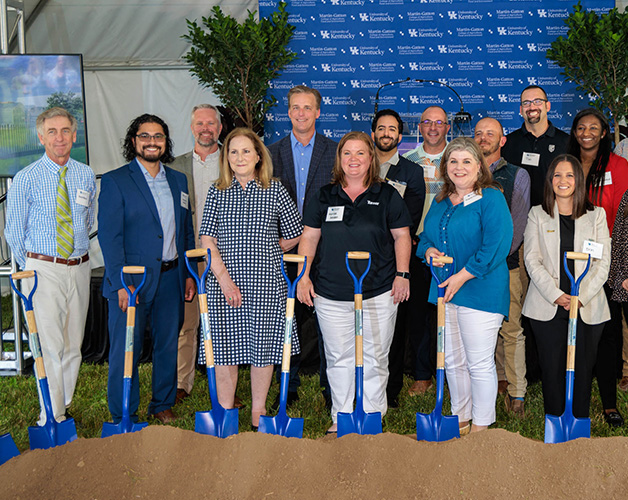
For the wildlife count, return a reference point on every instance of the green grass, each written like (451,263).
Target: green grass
(19,406)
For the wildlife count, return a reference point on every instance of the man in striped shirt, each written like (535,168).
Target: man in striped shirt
(50,211)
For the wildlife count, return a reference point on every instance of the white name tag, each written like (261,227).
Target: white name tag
(334,214)
(592,248)
(429,171)
(82,197)
(185,200)
(399,186)
(471,198)
(531,159)
(608,179)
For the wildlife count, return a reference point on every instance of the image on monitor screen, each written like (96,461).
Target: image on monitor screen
(30,84)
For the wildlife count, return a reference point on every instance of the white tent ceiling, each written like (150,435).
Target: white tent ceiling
(132,56)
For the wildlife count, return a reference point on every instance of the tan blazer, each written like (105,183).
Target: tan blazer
(543,261)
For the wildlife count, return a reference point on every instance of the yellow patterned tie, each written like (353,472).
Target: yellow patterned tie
(65,231)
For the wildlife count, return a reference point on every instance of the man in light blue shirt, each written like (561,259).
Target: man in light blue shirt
(62,299)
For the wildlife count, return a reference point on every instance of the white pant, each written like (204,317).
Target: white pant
(337,323)
(60,305)
(470,339)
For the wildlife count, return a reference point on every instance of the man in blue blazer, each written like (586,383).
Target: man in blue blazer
(303,161)
(145,220)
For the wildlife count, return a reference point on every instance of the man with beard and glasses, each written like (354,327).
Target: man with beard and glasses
(407,179)
(144,219)
(515,181)
(537,142)
(200,166)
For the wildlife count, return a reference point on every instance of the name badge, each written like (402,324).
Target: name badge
(592,248)
(82,197)
(532,159)
(185,200)
(608,179)
(334,214)
(399,186)
(471,198)
(429,171)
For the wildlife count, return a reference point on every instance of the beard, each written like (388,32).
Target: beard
(392,145)
(206,143)
(150,156)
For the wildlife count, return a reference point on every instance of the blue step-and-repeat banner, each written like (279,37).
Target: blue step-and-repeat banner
(486,51)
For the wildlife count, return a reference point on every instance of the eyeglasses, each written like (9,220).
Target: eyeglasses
(437,123)
(537,102)
(147,137)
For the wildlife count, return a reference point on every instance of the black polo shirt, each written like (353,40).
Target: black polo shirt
(364,226)
(548,146)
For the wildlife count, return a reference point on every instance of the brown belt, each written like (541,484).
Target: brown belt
(166,266)
(58,260)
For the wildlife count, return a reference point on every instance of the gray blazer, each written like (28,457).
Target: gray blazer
(183,164)
(541,244)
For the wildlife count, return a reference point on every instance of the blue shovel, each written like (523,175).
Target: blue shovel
(218,421)
(52,433)
(436,426)
(127,425)
(8,449)
(567,427)
(281,424)
(359,422)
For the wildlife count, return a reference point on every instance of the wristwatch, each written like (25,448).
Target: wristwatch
(403,275)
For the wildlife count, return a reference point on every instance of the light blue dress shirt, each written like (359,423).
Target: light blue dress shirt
(302,156)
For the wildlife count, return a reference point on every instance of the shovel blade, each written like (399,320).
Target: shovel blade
(281,425)
(436,427)
(8,449)
(52,434)
(566,428)
(217,422)
(111,429)
(359,423)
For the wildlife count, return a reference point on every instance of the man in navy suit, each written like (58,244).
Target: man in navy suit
(303,161)
(145,220)
(407,179)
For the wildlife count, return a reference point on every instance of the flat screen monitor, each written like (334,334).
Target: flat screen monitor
(30,84)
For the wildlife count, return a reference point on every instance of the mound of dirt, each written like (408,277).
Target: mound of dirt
(166,462)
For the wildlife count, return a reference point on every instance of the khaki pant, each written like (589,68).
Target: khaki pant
(511,350)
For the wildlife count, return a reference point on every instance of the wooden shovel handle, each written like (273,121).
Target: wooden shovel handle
(197,252)
(293,257)
(133,269)
(359,255)
(22,275)
(577,256)
(442,260)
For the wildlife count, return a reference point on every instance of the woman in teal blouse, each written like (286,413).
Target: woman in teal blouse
(469,220)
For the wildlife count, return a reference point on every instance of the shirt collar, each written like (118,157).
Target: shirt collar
(496,164)
(54,166)
(197,157)
(161,173)
(294,141)
(393,160)
(550,132)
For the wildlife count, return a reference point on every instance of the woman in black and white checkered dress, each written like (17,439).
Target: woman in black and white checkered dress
(248,221)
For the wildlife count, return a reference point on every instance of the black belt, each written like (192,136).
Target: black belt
(171,264)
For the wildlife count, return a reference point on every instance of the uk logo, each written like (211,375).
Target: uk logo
(413,33)
(355,84)
(270,117)
(354,51)
(355,117)
(501,31)
(442,49)
(532,47)
(326,100)
(502,97)
(325,34)
(452,14)
(502,64)
(541,12)
(326,68)
(335,2)
(364,17)
(328,133)
(413,66)
(531,80)
(414,99)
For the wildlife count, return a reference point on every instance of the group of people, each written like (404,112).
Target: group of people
(490,202)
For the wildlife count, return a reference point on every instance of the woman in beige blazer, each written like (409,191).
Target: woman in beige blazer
(564,221)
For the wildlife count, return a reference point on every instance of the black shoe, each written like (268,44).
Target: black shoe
(327,400)
(393,402)
(254,428)
(292,397)
(614,419)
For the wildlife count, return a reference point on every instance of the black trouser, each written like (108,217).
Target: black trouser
(609,360)
(551,341)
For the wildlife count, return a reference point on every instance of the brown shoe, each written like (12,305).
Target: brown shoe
(623,384)
(515,406)
(502,387)
(165,417)
(420,387)
(237,402)
(181,395)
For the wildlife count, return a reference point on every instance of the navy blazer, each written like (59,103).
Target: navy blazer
(129,229)
(411,174)
(321,165)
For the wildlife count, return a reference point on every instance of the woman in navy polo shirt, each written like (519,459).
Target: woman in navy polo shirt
(469,220)
(356,212)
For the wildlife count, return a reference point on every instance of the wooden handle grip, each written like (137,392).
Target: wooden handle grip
(197,252)
(359,255)
(577,256)
(133,269)
(293,257)
(442,260)
(23,274)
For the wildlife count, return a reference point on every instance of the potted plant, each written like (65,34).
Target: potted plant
(239,60)
(594,56)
